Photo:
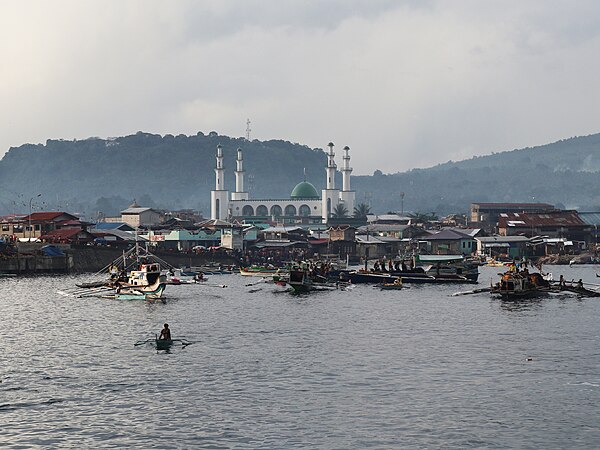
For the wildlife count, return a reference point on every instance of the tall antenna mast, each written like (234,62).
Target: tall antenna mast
(248,129)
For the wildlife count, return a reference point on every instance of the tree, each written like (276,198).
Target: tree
(423,217)
(340,211)
(361,211)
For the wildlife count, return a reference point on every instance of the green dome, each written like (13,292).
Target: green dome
(305,190)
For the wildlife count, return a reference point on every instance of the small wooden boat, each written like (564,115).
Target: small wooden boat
(163,344)
(260,271)
(392,286)
(300,280)
(515,285)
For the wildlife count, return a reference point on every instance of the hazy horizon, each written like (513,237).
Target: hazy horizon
(406,84)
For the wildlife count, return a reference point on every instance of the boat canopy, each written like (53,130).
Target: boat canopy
(439,258)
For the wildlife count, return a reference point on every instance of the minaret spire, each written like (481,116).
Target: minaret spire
(346,170)
(331,196)
(347,195)
(219,198)
(331,167)
(239,193)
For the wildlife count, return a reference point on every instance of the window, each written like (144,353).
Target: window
(276,210)
(290,210)
(304,210)
(5,227)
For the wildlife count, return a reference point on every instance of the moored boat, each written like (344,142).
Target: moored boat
(515,285)
(301,280)
(255,271)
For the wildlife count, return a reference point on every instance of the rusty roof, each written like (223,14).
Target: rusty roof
(542,219)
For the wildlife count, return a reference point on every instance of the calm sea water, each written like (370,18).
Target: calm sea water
(365,368)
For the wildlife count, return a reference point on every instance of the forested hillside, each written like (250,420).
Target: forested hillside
(170,172)
(177,172)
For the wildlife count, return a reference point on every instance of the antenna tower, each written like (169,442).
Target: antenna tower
(248,129)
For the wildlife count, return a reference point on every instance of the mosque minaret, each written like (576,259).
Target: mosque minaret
(347,195)
(219,198)
(303,206)
(239,193)
(330,196)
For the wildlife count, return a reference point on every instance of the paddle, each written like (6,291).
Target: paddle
(262,280)
(474,291)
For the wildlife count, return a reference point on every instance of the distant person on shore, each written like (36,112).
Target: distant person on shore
(165,333)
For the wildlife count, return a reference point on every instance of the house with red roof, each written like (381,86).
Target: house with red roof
(67,236)
(34,225)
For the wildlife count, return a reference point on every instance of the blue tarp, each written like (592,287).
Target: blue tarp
(51,250)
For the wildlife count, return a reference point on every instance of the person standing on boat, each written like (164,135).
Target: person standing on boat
(165,333)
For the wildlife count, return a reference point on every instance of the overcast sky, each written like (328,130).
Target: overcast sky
(405,84)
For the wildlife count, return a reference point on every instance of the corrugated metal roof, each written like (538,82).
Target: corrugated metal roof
(135,210)
(43,216)
(515,205)
(489,239)
(545,219)
(369,240)
(446,235)
(591,218)
(110,225)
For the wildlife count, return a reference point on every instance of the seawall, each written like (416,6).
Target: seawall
(92,259)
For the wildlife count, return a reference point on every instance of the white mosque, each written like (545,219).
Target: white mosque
(304,205)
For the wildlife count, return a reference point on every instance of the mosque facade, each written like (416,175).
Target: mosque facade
(304,205)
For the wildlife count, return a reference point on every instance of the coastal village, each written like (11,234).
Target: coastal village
(305,225)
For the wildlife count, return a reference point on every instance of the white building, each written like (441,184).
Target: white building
(303,204)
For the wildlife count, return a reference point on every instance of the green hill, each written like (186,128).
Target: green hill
(177,172)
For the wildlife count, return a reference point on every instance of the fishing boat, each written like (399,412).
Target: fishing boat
(259,271)
(422,269)
(163,344)
(136,275)
(397,284)
(301,280)
(363,276)
(516,285)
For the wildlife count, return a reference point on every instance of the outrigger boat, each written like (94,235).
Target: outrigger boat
(163,344)
(255,271)
(136,275)
(515,285)
(300,280)
(424,269)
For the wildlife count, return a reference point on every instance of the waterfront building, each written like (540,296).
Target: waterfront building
(486,215)
(552,224)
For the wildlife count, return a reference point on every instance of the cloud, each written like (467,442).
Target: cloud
(404,84)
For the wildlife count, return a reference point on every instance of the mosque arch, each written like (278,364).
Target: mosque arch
(218,208)
(247,210)
(290,210)
(328,207)
(262,211)
(304,210)
(276,211)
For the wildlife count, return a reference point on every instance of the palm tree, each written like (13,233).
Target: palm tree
(340,211)
(361,211)
(423,217)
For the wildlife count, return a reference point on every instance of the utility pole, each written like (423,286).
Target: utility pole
(402,203)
